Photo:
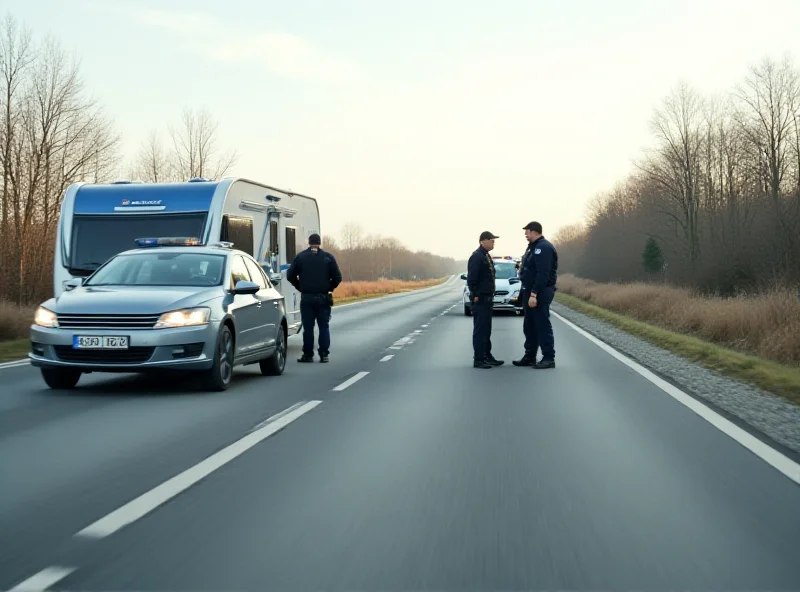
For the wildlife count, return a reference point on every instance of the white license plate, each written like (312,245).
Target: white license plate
(99,342)
(498,298)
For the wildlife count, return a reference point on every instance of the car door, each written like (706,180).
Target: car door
(246,311)
(270,310)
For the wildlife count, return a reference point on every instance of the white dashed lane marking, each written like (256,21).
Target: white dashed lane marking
(351,381)
(44,579)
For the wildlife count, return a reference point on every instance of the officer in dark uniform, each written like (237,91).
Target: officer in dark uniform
(481,284)
(538,273)
(315,273)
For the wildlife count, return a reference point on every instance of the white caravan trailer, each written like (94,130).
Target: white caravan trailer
(100,220)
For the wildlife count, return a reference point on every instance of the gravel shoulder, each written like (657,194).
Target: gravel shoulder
(764,413)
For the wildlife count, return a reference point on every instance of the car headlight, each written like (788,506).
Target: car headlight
(515,294)
(187,317)
(45,318)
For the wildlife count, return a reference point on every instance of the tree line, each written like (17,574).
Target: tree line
(714,203)
(370,257)
(53,133)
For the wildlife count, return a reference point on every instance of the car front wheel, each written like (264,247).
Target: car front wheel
(218,377)
(276,363)
(467,311)
(61,378)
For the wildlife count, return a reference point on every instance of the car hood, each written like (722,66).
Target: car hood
(132,299)
(506,285)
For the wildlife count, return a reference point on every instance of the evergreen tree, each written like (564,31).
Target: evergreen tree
(652,257)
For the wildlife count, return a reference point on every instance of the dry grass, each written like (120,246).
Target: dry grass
(765,325)
(351,291)
(15,321)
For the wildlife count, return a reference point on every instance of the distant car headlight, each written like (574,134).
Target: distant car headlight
(187,317)
(515,294)
(45,318)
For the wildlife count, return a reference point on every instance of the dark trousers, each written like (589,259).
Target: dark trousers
(537,326)
(482,327)
(315,309)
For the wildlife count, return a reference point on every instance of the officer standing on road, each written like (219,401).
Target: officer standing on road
(538,273)
(316,275)
(481,284)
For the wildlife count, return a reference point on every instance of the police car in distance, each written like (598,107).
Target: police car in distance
(170,304)
(507,286)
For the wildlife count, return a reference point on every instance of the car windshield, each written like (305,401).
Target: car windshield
(505,271)
(156,268)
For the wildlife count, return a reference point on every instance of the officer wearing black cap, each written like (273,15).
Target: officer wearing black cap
(315,273)
(481,284)
(538,273)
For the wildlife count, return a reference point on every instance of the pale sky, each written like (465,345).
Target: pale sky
(427,120)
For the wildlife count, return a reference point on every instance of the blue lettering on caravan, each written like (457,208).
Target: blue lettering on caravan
(144,198)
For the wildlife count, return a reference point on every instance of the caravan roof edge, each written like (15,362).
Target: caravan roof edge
(265,186)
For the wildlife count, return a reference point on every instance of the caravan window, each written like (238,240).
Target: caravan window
(97,238)
(239,231)
(291,243)
(274,246)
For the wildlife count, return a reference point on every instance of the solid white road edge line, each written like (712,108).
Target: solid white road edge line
(351,381)
(387,358)
(764,451)
(150,500)
(44,579)
(14,364)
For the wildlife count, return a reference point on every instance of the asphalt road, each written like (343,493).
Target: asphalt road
(423,473)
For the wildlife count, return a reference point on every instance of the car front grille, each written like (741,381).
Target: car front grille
(501,293)
(132,355)
(101,321)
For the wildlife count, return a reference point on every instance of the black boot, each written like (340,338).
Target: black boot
(490,359)
(544,365)
(304,359)
(528,359)
(483,364)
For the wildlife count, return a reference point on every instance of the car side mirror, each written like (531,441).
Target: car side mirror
(245,287)
(73,283)
(463,276)
(275,278)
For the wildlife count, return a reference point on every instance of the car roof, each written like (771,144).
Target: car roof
(204,250)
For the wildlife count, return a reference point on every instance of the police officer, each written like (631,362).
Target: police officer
(538,273)
(315,273)
(481,284)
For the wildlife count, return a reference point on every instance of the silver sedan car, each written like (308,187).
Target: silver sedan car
(198,308)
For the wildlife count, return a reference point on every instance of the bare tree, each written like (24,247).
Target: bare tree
(769,100)
(16,56)
(352,236)
(153,163)
(676,164)
(195,144)
(53,135)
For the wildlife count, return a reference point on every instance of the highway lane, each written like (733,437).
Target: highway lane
(68,458)
(429,474)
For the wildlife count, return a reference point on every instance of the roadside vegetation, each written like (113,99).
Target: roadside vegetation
(698,248)
(353,291)
(752,338)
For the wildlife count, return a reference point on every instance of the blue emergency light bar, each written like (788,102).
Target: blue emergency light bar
(173,241)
